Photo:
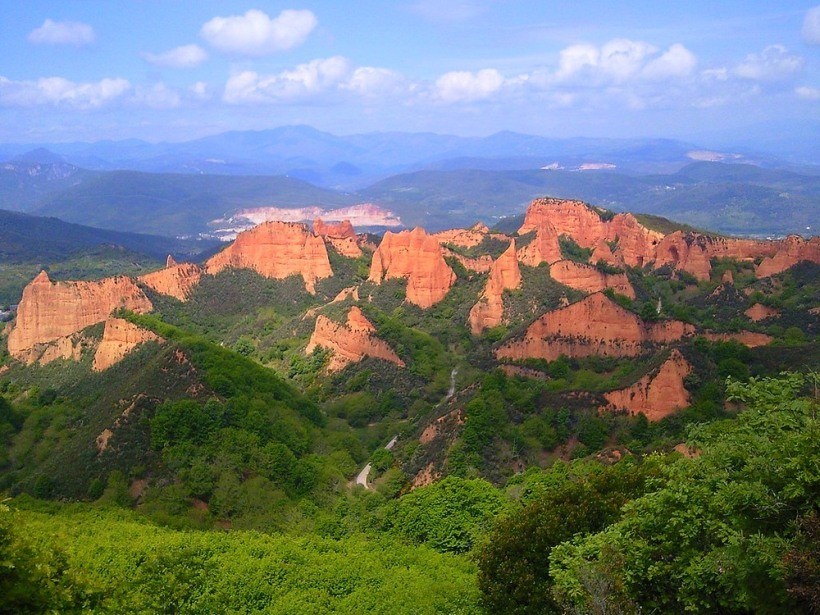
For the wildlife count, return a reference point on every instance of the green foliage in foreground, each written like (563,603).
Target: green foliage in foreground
(116,563)
(724,531)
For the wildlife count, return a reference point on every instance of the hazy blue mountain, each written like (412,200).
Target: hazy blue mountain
(26,238)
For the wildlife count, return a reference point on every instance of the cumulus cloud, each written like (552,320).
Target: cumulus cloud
(62,33)
(677,61)
(371,81)
(185,56)
(301,82)
(772,64)
(811,26)
(256,34)
(619,61)
(807,93)
(466,86)
(61,91)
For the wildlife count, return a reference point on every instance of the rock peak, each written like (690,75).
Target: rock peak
(170,262)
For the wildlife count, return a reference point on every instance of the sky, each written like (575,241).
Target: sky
(173,70)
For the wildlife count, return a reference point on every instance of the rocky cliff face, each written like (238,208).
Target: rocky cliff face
(463,238)
(544,248)
(504,275)
(341,236)
(350,342)
(277,250)
(589,279)
(418,257)
(657,395)
(761,312)
(789,252)
(119,338)
(49,311)
(340,230)
(596,325)
(747,338)
(176,280)
(637,246)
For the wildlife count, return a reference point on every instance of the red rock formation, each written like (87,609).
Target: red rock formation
(595,325)
(463,238)
(341,230)
(747,338)
(176,280)
(635,244)
(657,395)
(574,218)
(761,312)
(417,256)
(350,342)
(49,311)
(277,250)
(685,252)
(345,246)
(479,264)
(119,338)
(544,248)
(589,279)
(638,246)
(602,252)
(790,252)
(504,275)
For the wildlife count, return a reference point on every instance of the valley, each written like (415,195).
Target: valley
(254,391)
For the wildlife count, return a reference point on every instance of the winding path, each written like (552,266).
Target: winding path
(362,478)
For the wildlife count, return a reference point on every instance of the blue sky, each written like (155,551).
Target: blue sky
(175,70)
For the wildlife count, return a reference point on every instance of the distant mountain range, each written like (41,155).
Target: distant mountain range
(438,181)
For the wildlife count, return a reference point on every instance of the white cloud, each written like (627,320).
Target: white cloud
(618,61)
(60,91)
(185,56)
(807,93)
(678,61)
(575,58)
(62,33)
(811,26)
(772,64)
(463,86)
(256,34)
(371,81)
(622,58)
(303,81)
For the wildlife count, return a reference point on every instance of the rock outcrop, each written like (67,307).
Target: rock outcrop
(176,280)
(622,240)
(588,279)
(791,251)
(50,310)
(544,248)
(596,325)
(761,312)
(350,342)
(658,394)
(341,236)
(505,274)
(277,250)
(418,257)
(463,238)
(747,338)
(119,338)
(340,230)
(478,264)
